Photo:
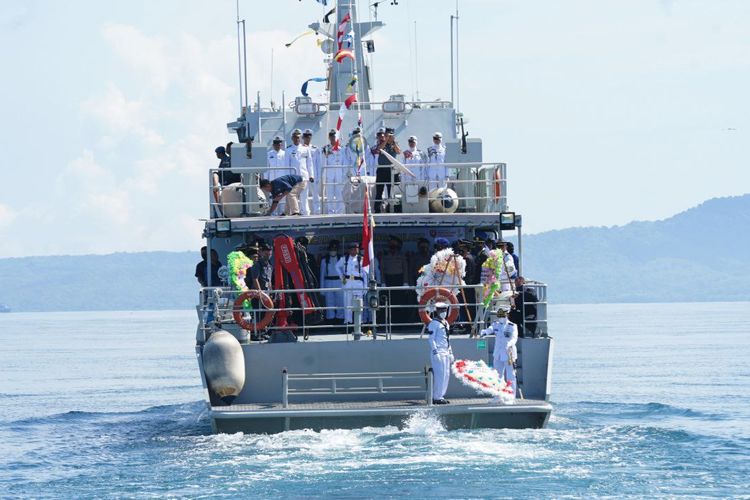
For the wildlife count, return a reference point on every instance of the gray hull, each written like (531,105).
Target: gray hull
(460,414)
(260,406)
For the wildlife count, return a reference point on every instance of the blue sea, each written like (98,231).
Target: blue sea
(651,400)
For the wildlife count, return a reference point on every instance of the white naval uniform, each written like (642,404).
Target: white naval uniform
(511,270)
(506,336)
(441,356)
(332,180)
(276,162)
(314,187)
(415,160)
(356,279)
(436,172)
(329,278)
(299,159)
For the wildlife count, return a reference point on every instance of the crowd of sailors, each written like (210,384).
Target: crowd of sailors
(341,276)
(306,174)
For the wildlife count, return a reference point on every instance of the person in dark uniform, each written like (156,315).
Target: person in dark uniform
(289,186)
(260,275)
(225,176)
(201,269)
(525,301)
(512,251)
(395,269)
(384,171)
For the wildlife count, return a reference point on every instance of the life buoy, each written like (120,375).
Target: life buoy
(437,294)
(249,295)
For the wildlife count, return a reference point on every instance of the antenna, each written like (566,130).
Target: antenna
(458,91)
(416,59)
(241,51)
(271,77)
(239,57)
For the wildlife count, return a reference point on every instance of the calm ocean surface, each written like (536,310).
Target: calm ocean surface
(651,400)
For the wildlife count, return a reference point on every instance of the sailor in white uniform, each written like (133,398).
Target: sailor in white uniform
(299,159)
(415,159)
(314,186)
(506,336)
(437,173)
(335,164)
(508,268)
(353,279)
(441,355)
(329,278)
(276,161)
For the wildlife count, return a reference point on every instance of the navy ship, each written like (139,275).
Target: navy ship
(283,356)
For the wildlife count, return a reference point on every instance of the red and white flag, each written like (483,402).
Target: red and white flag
(367,226)
(342,30)
(342,111)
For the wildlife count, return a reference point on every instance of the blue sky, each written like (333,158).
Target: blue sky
(606,111)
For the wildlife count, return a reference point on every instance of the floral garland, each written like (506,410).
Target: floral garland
(238,264)
(493,274)
(445,269)
(482,378)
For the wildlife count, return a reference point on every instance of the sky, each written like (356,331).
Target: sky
(606,111)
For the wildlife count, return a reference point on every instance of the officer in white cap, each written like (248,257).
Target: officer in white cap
(437,173)
(314,186)
(505,355)
(299,159)
(373,152)
(275,160)
(334,164)
(416,159)
(441,355)
(353,279)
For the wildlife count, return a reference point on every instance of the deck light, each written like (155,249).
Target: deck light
(507,221)
(223,228)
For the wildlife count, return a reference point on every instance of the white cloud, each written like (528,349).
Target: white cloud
(7,215)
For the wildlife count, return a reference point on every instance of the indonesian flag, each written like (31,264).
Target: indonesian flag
(367,227)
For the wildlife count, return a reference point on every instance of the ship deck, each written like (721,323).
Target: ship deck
(285,223)
(461,413)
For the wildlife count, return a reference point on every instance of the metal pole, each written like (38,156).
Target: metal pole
(458,87)
(260,132)
(244,51)
(284,388)
(452,101)
(239,56)
(416,59)
(283,115)
(429,386)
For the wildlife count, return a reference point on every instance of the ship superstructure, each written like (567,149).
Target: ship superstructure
(278,364)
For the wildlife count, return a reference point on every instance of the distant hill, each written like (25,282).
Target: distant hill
(701,254)
(698,255)
(119,281)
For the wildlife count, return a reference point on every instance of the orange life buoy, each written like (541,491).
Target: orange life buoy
(437,294)
(249,295)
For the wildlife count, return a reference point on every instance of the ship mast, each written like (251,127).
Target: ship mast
(343,72)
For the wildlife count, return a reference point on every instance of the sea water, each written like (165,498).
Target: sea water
(650,400)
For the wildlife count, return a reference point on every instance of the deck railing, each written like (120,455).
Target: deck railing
(397,312)
(366,383)
(478,187)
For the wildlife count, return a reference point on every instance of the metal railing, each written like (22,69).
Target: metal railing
(336,384)
(476,188)
(397,312)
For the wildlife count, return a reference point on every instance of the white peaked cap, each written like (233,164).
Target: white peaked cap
(441,305)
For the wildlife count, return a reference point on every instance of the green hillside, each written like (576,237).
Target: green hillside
(698,255)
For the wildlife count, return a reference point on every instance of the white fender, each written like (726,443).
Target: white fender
(224,365)
(443,200)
